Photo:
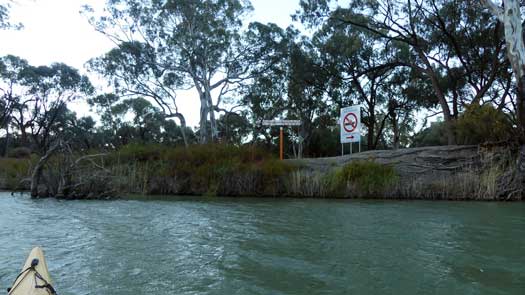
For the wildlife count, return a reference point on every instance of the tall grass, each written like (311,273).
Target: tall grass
(358,179)
(366,179)
(13,171)
(203,170)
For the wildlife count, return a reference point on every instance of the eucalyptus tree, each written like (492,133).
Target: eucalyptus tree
(306,97)
(134,73)
(234,128)
(51,88)
(82,133)
(359,66)
(510,14)
(402,101)
(265,95)
(35,98)
(442,38)
(38,98)
(146,120)
(4,15)
(136,120)
(292,87)
(146,124)
(5,6)
(172,45)
(11,68)
(103,105)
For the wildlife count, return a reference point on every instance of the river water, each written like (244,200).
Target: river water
(267,246)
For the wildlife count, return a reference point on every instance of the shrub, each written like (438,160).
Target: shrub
(479,124)
(431,136)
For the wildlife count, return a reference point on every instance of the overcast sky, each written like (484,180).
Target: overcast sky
(54,31)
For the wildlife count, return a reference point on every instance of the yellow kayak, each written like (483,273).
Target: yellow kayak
(34,278)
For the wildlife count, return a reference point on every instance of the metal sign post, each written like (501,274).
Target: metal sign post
(281,123)
(350,125)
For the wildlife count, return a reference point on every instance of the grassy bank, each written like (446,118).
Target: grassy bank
(221,170)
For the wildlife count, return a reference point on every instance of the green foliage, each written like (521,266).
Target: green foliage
(364,178)
(479,124)
(182,44)
(233,128)
(324,142)
(35,98)
(432,136)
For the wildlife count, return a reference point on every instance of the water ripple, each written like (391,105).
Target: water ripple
(254,246)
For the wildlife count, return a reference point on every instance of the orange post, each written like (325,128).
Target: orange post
(281,144)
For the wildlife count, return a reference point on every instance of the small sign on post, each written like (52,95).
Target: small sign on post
(281,123)
(350,125)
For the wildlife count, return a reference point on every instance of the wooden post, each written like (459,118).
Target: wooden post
(281,123)
(281,144)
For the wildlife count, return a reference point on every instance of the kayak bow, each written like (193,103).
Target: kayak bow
(34,278)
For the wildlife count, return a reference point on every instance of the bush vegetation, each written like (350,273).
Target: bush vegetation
(480,124)
(212,169)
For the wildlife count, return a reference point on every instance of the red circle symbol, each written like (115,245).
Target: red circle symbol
(350,122)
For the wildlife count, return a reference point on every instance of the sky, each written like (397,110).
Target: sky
(55,31)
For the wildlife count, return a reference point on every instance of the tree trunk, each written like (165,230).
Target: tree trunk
(37,171)
(510,16)
(395,130)
(371,127)
(303,136)
(182,121)
(521,167)
(203,123)
(520,105)
(516,53)
(203,132)
(6,146)
(447,116)
(211,110)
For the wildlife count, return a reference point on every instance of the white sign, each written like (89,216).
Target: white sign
(350,123)
(281,122)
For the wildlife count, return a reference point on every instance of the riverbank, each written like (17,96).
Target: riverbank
(430,173)
(473,172)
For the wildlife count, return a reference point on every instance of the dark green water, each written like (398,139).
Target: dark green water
(260,246)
